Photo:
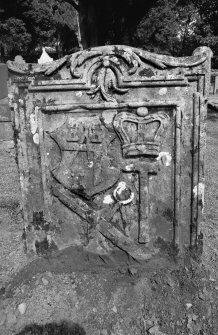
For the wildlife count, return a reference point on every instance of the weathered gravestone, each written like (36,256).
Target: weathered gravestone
(111,150)
(6,132)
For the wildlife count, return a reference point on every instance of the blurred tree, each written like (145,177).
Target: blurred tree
(110,21)
(174,27)
(178,27)
(44,23)
(51,24)
(169,27)
(207,34)
(14,38)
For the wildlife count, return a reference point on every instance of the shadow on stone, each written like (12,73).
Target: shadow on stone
(212,114)
(62,328)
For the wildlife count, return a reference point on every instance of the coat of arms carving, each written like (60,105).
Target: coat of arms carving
(114,150)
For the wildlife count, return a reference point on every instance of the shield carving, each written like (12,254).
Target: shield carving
(89,161)
(102,174)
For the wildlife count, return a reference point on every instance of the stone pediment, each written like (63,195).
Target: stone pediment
(111,69)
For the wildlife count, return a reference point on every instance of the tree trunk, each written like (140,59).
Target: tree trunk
(88,23)
(108,21)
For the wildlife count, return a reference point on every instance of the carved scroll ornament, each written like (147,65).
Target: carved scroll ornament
(107,66)
(133,56)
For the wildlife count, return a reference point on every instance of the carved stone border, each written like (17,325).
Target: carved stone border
(174,104)
(197,199)
(27,81)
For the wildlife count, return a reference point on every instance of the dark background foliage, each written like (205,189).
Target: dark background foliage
(174,27)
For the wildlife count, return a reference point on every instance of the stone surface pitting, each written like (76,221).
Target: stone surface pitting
(111,145)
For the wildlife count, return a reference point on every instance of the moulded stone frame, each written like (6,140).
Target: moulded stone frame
(199,76)
(73,108)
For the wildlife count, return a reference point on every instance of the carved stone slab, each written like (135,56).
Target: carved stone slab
(111,146)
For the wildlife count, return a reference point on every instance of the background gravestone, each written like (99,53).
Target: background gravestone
(111,145)
(6,132)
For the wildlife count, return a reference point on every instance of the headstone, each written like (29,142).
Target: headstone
(111,151)
(19,59)
(6,132)
(3,81)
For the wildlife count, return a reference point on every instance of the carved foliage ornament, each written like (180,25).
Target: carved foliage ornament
(133,56)
(105,73)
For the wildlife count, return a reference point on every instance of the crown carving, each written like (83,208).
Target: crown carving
(140,136)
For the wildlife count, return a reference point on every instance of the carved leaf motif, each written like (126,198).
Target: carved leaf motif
(49,68)
(17,68)
(164,61)
(107,80)
(79,59)
(134,57)
(127,57)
